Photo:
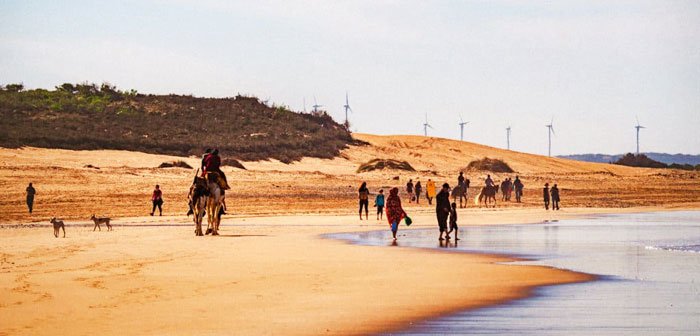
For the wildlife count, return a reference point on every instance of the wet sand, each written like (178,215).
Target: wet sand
(648,267)
(265,275)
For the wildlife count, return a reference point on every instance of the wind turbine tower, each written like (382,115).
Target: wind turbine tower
(461,127)
(550,126)
(508,137)
(347,108)
(638,127)
(426,125)
(315,106)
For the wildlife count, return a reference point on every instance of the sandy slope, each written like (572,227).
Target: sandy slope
(122,185)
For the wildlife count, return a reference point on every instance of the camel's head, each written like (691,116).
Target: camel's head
(53,219)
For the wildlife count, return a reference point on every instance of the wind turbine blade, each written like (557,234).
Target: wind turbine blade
(552,128)
(637,117)
(460,118)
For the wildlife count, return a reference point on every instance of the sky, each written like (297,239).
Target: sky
(592,67)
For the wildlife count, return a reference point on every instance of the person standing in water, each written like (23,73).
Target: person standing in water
(555,197)
(442,208)
(379,203)
(30,197)
(430,191)
(545,196)
(453,221)
(418,188)
(364,199)
(394,211)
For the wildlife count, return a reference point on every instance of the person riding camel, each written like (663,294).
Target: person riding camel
(489,181)
(460,180)
(212,164)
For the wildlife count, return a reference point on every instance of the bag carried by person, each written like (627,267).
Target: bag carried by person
(408,221)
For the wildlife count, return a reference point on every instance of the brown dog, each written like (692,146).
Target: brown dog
(57,226)
(101,220)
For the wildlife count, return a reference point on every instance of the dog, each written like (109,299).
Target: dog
(100,220)
(57,226)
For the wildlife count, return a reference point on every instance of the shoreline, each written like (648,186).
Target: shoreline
(500,283)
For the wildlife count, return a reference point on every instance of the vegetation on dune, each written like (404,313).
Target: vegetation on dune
(177,164)
(492,165)
(380,164)
(88,116)
(643,161)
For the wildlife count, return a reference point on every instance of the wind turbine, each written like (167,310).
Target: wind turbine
(461,127)
(347,108)
(549,134)
(508,137)
(638,127)
(426,125)
(315,106)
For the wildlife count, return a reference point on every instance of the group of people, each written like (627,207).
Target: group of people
(446,212)
(554,193)
(508,186)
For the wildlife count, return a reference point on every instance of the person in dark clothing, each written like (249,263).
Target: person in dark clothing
(364,199)
(30,197)
(379,203)
(453,221)
(555,197)
(545,196)
(409,190)
(442,208)
(157,199)
(518,185)
(460,179)
(419,189)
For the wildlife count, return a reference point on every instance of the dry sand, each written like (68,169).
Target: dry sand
(270,272)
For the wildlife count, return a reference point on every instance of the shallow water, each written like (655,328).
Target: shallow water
(648,265)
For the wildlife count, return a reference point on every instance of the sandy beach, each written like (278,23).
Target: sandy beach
(266,275)
(271,272)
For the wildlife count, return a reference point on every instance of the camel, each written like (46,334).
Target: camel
(199,194)
(214,204)
(57,226)
(487,193)
(461,191)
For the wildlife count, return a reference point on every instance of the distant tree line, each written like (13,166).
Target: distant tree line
(642,160)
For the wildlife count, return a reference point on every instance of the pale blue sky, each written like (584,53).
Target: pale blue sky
(592,65)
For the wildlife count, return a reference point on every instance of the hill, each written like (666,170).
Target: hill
(87,116)
(661,157)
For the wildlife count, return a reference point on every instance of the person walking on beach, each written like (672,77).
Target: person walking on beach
(518,185)
(489,181)
(30,197)
(364,199)
(504,189)
(394,211)
(555,197)
(418,188)
(442,208)
(430,191)
(409,190)
(379,203)
(453,221)
(460,179)
(545,196)
(157,200)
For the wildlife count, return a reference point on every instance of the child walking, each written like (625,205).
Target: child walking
(379,203)
(453,221)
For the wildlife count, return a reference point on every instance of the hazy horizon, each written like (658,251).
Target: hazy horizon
(592,66)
